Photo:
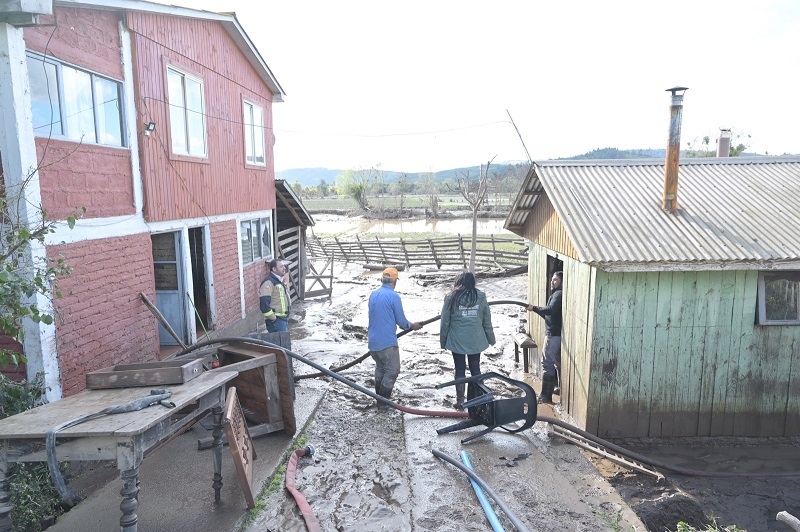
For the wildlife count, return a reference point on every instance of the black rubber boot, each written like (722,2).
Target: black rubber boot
(557,388)
(548,384)
(460,396)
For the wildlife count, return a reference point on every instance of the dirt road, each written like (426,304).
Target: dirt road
(374,469)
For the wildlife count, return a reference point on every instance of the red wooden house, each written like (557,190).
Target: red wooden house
(158,121)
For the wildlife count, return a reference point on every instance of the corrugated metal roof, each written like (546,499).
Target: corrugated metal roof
(291,211)
(741,213)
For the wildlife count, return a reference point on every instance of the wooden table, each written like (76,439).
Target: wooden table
(127,438)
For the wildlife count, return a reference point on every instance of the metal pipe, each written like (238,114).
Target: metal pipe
(670,200)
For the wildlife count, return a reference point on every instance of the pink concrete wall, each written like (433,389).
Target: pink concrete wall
(101,320)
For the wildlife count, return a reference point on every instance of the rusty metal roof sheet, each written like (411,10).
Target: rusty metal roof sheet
(733,213)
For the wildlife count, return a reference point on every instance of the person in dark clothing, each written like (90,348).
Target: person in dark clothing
(551,351)
(466,328)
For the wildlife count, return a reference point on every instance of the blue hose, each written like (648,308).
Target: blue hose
(487,508)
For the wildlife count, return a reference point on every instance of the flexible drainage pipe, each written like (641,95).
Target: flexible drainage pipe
(491,515)
(312,523)
(463,414)
(503,506)
(301,358)
(363,357)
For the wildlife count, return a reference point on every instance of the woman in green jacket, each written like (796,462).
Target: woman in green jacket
(466,328)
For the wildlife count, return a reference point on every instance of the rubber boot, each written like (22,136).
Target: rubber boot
(548,384)
(460,396)
(557,388)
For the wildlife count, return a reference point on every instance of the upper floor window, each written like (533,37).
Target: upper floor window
(779,298)
(72,103)
(254,134)
(186,114)
(256,239)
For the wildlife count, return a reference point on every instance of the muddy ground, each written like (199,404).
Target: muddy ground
(374,470)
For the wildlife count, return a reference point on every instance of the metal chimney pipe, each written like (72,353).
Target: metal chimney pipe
(724,143)
(670,200)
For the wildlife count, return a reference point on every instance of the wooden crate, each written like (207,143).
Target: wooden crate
(264,385)
(145,374)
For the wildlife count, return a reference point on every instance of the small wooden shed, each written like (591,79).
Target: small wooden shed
(682,323)
(291,221)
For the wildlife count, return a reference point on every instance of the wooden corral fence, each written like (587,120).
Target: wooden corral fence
(293,253)
(492,251)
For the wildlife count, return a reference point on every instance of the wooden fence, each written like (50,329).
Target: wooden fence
(492,251)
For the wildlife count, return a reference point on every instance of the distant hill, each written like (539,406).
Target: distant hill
(614,153)
(311,177)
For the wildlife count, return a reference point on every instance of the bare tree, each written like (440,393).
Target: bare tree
(475,193)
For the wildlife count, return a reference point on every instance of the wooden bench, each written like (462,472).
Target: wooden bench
(522,340)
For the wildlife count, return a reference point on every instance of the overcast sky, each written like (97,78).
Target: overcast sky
(428,85)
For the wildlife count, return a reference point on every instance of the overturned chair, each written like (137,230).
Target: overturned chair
(485,409)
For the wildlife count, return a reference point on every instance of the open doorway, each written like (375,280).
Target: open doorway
(553,265)
(199,302)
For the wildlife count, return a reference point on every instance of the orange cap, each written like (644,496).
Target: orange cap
(391,273)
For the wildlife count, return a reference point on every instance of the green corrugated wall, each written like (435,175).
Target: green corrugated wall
(667,354)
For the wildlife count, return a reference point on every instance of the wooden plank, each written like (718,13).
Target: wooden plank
(689,358)
(241,445)
(719,345)
(746,416)
(738,339)
(36,422)
(145,374)
(647,297)
(663,351)
(708,308)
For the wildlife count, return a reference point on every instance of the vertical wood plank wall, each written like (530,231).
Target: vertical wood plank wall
(678,354)
(181,187)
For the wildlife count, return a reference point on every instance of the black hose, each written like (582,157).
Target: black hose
(301,358)
(363,357)
(471,474)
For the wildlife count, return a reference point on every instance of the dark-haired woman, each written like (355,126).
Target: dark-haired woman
(466,328)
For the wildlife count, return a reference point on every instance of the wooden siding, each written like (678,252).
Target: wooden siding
(576,339)
(678,354)
(179,187)
(577,331)
(544,227)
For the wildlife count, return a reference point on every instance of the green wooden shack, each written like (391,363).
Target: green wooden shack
(683,323)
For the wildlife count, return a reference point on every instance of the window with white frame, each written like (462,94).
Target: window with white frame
(186,113)
(254,134)
(75,104)
(256,239)
(779,298)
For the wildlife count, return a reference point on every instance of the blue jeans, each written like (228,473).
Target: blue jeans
(460,362)
(279,325)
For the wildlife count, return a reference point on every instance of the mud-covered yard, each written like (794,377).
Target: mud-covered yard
(373,468)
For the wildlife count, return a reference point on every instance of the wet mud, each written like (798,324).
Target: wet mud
(373,468)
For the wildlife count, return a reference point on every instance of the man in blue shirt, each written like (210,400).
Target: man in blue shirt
(385,315)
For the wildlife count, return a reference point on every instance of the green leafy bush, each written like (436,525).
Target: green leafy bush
(33,497)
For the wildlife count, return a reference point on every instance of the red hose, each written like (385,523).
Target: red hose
(312,523)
